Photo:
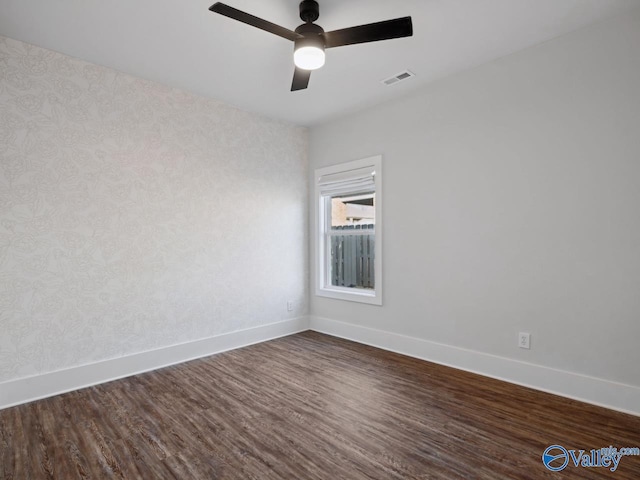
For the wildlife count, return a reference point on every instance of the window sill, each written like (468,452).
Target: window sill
(350,294)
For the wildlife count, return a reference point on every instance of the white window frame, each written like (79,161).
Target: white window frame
(323,224)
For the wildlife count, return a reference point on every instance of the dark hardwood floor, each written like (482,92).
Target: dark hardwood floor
(308,406)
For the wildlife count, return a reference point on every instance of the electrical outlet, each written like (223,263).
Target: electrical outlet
(524,340)
(289,305)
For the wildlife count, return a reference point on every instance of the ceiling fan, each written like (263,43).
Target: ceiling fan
(310,40)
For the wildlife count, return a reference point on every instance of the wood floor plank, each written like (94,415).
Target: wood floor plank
(310,407)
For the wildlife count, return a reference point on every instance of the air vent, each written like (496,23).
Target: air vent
(398,77)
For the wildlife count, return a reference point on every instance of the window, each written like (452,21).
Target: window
(348,223)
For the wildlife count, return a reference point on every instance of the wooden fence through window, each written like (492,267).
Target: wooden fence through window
(352,256)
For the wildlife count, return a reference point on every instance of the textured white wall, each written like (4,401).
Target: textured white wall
(134,216)
(512,203)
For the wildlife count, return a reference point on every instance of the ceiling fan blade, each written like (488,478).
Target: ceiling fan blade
(372,32)
(300,79)
(254,21)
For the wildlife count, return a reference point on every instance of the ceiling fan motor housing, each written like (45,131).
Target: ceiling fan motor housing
(309,11)
(312,36)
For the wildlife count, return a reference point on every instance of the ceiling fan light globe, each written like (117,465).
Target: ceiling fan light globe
(309,57)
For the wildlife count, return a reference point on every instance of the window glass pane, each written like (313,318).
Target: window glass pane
(352,241)
(353,210)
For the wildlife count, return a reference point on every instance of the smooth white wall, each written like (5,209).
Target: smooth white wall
(512,203)
(134,217)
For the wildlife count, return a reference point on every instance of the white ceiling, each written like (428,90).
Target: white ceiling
(181,44)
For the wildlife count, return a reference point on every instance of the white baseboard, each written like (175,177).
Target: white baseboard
(597,391)
(22,390)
